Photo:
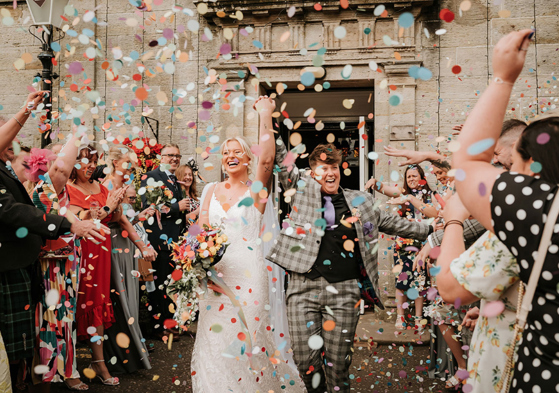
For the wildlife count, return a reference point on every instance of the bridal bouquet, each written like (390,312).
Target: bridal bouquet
(195,254)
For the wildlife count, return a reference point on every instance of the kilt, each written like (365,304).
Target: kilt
(16,313)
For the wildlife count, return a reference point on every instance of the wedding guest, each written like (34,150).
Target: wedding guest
(472,231)
(172,226)
(414,202)
(59,261)
(514,205)
(125,287)
(19,163)
(486,271)
(92,201)
(185,178)
(19,216)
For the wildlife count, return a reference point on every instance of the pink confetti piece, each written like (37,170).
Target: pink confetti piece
(492,309)
(543,138)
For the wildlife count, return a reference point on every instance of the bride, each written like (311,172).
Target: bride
(228,357)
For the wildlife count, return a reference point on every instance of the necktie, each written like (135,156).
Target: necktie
(329,213)
(173,179)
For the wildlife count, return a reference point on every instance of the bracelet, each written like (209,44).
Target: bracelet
(18,122)
(500,81)
(458,222)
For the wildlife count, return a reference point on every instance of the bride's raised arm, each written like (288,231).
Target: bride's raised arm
(267,146)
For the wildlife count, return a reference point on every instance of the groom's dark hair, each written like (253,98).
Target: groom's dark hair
(327,154)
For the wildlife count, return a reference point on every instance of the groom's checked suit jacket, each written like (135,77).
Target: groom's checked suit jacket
(296,248)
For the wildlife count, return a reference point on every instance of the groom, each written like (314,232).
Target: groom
(329,232)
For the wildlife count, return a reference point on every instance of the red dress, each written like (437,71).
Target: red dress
(94,293)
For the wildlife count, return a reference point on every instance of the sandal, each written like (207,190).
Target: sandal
(80,386)
(112,381)
(454,381)
(399,325)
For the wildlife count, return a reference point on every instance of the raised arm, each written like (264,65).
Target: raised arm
(288,173)
(61,169)
(412,156)
(484,123)
(9,130)
(267,147)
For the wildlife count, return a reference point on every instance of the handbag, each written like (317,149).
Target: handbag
(145,267)
(526,293)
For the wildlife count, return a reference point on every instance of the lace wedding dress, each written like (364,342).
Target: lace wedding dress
(221,360)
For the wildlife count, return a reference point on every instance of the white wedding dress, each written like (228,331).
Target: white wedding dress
(219,361)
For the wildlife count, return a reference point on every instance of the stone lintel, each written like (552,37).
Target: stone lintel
(398,69)
(269,7)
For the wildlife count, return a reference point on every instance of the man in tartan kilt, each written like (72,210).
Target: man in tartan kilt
(329,233)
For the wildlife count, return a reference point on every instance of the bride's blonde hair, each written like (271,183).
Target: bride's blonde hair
(245,146)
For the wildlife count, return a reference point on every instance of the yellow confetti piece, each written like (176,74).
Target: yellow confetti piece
(89,373)
(122,340)
(295,139)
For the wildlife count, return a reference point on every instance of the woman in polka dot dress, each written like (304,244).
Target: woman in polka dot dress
(514,206)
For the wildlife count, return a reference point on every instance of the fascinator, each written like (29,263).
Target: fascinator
(38,163)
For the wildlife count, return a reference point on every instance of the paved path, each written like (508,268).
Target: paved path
(391,362)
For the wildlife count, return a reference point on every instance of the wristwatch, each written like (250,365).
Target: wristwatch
(107,209)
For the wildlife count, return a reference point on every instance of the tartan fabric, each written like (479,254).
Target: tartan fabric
(297,250)
(306,311)
(472,231)
(16,313)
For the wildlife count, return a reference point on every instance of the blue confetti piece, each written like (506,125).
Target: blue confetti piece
(424,74)
(257,44)
(55,46)
(307,78)
(412,293)
(405,20)
(434,271)
(480,146)
(358,201)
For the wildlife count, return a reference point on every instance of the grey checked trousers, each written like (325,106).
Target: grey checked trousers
(309,305)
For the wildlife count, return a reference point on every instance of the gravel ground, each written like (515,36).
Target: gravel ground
(382,369)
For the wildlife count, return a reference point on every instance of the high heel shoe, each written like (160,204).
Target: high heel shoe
(112,381)
(80,386)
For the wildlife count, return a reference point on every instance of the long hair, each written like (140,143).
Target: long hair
(245,146)
(542,148)
(86,151)
(180,172)
(420,188)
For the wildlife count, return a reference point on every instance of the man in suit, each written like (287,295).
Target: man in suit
(329,232)
(23,228)
(173,224)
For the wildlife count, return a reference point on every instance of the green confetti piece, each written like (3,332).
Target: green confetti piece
(22,232)
(248,201)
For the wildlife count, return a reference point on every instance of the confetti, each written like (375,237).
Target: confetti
(315,342)
(480,146)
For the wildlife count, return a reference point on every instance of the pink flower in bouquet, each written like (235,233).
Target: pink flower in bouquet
(38,163)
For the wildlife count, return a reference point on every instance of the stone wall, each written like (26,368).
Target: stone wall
(174,53)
